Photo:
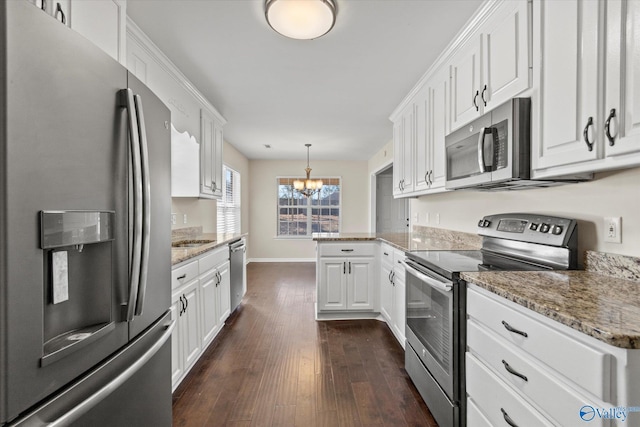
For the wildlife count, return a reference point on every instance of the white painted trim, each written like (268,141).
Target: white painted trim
(135,33)
(281,260)
(373,185)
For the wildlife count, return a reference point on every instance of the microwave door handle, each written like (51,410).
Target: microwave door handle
(483,168)
(443,286)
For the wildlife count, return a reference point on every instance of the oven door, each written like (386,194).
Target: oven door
(430,321)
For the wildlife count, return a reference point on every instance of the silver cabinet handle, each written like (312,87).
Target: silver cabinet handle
(513,371)
(508,419)
(443,286)
(114,384)
(585,134)
(510,328)
(146,205)
(607,127)
(136,253)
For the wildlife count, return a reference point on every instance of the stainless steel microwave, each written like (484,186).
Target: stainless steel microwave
(492,151)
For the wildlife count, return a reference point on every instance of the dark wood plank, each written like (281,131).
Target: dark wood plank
(274,365)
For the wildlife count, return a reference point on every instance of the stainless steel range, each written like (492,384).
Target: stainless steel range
(436,298)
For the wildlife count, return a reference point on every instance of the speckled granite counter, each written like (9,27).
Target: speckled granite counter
(602,306)
(422,238)
(179,255)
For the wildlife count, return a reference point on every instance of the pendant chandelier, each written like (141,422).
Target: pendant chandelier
(301,19)
(308,187)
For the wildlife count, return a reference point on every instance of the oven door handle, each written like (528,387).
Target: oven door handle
(443,286)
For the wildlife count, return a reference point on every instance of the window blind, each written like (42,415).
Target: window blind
(229,212)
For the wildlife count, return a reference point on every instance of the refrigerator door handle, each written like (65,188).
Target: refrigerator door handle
(136,252)
(146,205)
(112,385)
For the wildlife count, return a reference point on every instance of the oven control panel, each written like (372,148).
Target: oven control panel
(534,228)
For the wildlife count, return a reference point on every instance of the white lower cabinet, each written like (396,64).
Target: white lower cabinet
(527,370)
(200,304)
(392,291)
(345,277)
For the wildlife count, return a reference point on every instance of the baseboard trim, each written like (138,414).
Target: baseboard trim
(281,260)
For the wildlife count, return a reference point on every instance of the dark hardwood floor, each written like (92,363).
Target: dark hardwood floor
(274,365)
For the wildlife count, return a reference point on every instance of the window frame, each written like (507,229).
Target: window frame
(309,207)
(222,204)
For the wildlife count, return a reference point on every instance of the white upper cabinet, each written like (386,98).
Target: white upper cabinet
(185,157)
(567,82)
(493,65)
(465,84)
(622,87)
(588,97)
(210,156)
(404,137)
(103,22)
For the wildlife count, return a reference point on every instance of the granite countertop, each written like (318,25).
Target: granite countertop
(601,306)
(433,239)
(179,255)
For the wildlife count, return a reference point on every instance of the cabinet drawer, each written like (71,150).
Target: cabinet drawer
(557,349)
(343,249)
(497,401)
(475,417)
(214,259)
(541,385)
(184,274)
(386,255)
(398,257)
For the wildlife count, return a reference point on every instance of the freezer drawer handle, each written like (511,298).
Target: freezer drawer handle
(110,387)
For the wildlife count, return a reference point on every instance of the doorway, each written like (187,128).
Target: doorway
(391,215)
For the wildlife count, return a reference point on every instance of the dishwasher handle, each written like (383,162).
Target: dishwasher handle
(237,246)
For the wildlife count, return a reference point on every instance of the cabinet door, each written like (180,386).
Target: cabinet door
(190,321)
(423,157)
(103,23)
(408,143)
(622,86)
(465,84)
(386,294)
(360,283)
(505,59)
(439,128)
(332,289)
(224,293)
(208,305)
(568,82)
(176,344)
(399,309)
(210,156)
(397,158)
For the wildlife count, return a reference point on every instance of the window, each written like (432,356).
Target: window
(229,212)
(299,216)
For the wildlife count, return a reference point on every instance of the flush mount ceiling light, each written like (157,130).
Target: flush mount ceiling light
(301,19)
(308,186)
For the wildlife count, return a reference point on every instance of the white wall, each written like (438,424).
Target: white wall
(609,194)
(263,213)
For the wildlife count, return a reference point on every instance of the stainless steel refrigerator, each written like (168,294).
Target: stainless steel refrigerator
(84,233)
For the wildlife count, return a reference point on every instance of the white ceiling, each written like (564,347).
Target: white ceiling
(335,92)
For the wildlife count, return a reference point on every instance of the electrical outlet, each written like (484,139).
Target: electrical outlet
(438,218)
(416,217)
(613,229)
(174,219)
(426,217)
(184,218)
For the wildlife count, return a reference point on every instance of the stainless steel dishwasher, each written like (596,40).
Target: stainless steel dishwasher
(237,250)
